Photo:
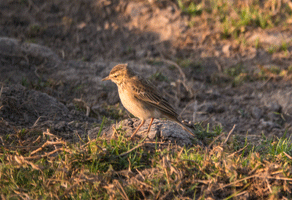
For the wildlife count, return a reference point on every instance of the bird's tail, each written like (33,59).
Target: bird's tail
(185,128)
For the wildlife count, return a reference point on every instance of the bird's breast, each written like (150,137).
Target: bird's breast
(134,105)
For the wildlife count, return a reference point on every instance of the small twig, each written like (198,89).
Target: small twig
(49,134)
(181,73)
(239,194)
(38,119)
(276,178)
(47,143)
(0,95)
(288,156)
(71,188)
(183,81)
(185,108)
(218,66)
(47,154)
(266,82)
(1,90)
(156,143)
(216,139)
(123,193)
(20,160)
(268,184)
(87,111)
(237,151)
(136,147)
(19,147)
(36,72)
(36,140)
(195,111)
(140,174)
(255,176)
(221,135)
(234,182)
(229,133)
(145,184)
(82,103)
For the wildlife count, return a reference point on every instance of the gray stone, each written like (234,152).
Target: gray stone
(162,129)
(275,107)
(272,116)
(206,108)
(256,112)
(268,124)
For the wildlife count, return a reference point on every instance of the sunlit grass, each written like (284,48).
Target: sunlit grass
(235,17)
(116,168)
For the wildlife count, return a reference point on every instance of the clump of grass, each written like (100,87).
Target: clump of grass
(272,49)
(238,73)
(49,167)
(284,46)
(190,8)
(274,72)
(34,30)
(290,68)
(257,43)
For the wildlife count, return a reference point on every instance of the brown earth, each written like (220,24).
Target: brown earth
(60,50)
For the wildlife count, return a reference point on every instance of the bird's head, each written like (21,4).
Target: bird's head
(118,73)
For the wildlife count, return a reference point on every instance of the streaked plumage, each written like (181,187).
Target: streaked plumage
(140,97)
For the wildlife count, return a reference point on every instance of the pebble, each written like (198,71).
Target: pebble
(256,112)
(275,107)
(207,108)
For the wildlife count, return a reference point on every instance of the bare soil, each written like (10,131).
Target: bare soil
(59,50)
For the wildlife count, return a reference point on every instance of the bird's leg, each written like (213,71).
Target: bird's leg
(142,122)
(150,125)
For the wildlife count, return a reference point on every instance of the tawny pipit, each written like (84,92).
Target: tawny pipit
(140,98)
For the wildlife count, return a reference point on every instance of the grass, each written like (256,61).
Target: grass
(235,17)
(237,75)
(41,165)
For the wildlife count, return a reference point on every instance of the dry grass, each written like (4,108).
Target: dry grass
(36,164)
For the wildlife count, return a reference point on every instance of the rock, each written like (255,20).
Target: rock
(206,108)
(268,124)
(9,46)
(140,53)
(282,100)
(275,107)
(16,100)
(256,112)
(220,109)
(61,126)
(92,133)
(272,116)
(163,129)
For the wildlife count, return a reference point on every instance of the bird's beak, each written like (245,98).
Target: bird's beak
(106,78)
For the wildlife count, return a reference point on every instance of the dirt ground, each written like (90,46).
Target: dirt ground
(52,52)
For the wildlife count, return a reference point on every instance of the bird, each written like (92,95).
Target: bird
(140,97)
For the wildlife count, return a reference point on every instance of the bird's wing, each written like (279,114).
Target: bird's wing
(145,91)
